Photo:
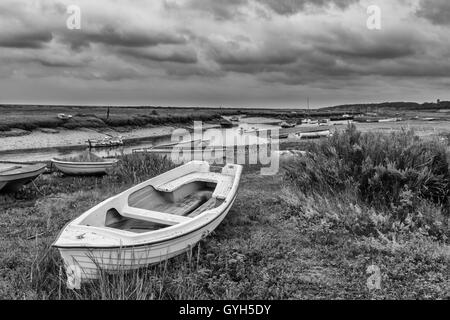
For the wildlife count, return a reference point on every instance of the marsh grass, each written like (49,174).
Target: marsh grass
(85,156)
(276,243)
(379,199)
(383,169)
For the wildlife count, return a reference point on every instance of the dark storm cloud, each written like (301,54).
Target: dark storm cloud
(114,36)
(237,46)
(289,7)
(58,62)
(258,58)
(179,56)
(230,9)
(348,44)
(436,11)
(25,39)
(339,52)
(222,10)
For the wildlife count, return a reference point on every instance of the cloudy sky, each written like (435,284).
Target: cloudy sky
(243,53)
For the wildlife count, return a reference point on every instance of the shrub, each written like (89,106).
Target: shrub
(135,168)
(380,165)
(400,176)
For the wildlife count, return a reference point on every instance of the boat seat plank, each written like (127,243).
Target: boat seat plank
(224,183)
(187,205)
(153,216)
(210,204)
(136,226)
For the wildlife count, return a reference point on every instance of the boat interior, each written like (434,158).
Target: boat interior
(157,207)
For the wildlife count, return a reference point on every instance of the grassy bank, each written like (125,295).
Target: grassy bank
(35,117)
(17,120)
(281,240)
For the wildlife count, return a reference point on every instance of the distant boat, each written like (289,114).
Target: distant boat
(12,179)
(269,132)
(105,142)
(343,118)
(169,147)
(149,223)
(389,120)
(313,133)
(366,119)
(235,118)
(64,116)
(224,123)
(281,135)
(83,167)
(285,125)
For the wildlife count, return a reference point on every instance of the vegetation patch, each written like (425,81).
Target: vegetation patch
(282,239)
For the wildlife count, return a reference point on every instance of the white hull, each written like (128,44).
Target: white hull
(12,181)
(151,222)
(312,135)
(83,168)
(92,260)
(341,122)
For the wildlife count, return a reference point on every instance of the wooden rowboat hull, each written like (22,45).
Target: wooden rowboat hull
(95,260)
(148,223)
(83,168)
(15,180)
(313,135)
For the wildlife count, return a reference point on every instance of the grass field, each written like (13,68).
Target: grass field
(33,117)
(279,241)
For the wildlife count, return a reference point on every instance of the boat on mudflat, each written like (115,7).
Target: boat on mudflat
(313,133)
(64,116)
(107,142)
(149,223)
(224,123)
(83,167)
(12,179)
(285,125)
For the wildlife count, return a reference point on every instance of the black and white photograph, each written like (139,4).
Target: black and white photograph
(244,151)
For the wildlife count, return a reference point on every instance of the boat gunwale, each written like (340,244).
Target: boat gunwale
(27,173)
(171,230)
(150,243)
(85,163)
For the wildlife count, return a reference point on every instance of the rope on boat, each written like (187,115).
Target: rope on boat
(42,194)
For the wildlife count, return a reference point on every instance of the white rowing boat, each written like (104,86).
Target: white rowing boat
(64,116)
(151,222)
(107,142)
(83,167)
(313,134)
(12,179)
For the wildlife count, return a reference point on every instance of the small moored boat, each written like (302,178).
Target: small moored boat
(224,123)
(12,179)
(285,125)
(105,142)
(64,116)
(83,167)
(313,133)
(151,222)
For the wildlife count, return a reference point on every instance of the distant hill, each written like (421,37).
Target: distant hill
(390,105)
